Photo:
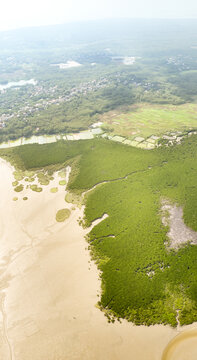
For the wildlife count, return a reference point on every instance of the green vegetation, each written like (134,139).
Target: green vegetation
(54,190)
(74,199)
(44,181)
(145,120)
(15,198)
(29,179)
(62,215)
(62,174)
(29,174)
(36,188)
(142,281)
(25,198)
(14,183)
(19,188)
(18,175)
(62,182)
(63,101)
(44,178)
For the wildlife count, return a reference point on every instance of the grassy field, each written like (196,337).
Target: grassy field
(142,281)
(148,119)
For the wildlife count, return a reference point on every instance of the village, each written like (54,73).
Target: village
(43,104)
(48,96)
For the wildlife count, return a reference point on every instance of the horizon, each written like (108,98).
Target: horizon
(34,14)
(95,20)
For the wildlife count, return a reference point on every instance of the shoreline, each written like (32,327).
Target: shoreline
(50,286)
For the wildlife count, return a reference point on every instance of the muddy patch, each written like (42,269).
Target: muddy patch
(179,234)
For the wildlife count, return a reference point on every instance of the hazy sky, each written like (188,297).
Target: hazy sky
(20,13)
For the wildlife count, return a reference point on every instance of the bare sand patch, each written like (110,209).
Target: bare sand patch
(49,287)
(179,234)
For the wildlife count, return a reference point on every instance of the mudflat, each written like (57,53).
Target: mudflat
(49,288)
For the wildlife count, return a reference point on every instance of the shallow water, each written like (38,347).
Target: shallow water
(182,347)
(46,139)
(17,83)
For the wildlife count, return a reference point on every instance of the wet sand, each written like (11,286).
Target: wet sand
(49,288)
(182,346)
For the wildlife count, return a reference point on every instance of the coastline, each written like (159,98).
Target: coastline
(49,287)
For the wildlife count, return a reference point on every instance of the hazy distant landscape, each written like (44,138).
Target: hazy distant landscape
(65,99)
(98,123)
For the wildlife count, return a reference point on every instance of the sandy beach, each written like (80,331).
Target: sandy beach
(49,288)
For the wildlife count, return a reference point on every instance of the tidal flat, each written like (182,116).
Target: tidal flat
(49,288)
